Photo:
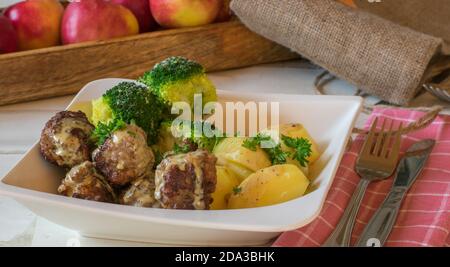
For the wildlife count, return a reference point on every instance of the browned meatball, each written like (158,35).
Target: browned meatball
(83,181)
(125,156)
(186,181)
(141,193)
(65,139)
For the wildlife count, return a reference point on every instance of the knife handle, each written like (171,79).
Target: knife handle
(380,226)
(342,234)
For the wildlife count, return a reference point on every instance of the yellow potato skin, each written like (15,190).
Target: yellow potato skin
(241,160)
(269,186)
(226,181)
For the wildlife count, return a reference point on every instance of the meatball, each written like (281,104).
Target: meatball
(186,181)
(65,139)
(141,193)
(83,181)
(125,156)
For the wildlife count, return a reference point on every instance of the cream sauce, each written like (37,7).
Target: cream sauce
(199,202)
(180,161)
(142,154)
(73,186)
(159,181)
(67,145)
(117,138)
(141,194)
(177,160)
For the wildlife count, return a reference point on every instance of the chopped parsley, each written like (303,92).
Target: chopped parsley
(197,135)
(237,190)
(254,142)
(276,154)
(181,149)
(104,130)
(301,146)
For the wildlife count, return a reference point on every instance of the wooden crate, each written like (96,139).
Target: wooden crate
(63,70)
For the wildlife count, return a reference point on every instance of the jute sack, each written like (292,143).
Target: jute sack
(384,53)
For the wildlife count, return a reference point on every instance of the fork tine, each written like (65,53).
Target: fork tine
(380,139)
(396,146)
(368,144)
(385,150)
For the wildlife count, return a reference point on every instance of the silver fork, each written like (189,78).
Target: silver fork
(439,86)
(438,91)
(376,161)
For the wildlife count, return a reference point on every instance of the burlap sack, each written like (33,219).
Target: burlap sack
(383,58)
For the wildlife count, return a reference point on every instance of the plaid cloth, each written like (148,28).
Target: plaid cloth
(424,217)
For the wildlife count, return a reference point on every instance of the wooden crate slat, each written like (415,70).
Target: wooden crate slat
(63,70)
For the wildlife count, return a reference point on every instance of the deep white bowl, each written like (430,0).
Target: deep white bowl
(329,119)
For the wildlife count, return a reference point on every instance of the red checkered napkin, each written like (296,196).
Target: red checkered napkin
(424,217)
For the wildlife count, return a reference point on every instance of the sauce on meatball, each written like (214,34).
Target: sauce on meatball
(186,181)
(125,156)
(65,139)
(83,181)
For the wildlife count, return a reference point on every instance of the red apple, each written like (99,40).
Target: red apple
(141,11)
(8,36)
(37,22)
(224,12)
(93,20)
(184,13)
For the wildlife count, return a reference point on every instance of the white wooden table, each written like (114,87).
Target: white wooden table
(20,127)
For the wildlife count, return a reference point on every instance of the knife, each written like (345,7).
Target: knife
(380,225)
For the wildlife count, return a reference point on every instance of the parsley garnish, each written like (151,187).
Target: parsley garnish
(252,143)
(277,156)
(181,149)
(237,190)
(197,135)
(104,130)
(301,146)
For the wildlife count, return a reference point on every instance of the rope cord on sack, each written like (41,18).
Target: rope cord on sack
(430,113)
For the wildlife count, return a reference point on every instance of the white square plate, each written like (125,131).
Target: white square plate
(329,119)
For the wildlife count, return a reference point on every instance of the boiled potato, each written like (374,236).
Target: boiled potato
(269,186)
(241,160)
(239,171)
(226,181)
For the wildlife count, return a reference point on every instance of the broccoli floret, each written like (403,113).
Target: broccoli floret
(128,103)
(178,79)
